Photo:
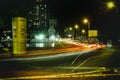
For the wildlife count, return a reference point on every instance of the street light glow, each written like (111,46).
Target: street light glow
(70,28)
(83,31)
(76,26)
(110,4)
(85,20)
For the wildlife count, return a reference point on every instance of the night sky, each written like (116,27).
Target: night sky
(71,12)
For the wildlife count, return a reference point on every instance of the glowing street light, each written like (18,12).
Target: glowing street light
(70,28)
(86,21)
(76,31)
(110,4)
(76,26)
(83,31)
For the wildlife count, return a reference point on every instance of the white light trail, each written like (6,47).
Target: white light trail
(46,56)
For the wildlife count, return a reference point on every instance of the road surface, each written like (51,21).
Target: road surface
(66,65)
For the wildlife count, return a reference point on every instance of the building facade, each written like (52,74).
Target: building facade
(37,18)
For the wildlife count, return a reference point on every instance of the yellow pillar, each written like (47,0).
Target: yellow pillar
(19,35)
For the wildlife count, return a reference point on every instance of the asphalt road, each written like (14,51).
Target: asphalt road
(72,64)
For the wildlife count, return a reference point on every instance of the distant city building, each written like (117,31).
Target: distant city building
(37,18)
(5,34)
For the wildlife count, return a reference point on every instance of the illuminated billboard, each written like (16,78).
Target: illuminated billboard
(19,35)
(92,33)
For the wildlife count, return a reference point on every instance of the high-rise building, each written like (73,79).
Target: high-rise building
(37,18)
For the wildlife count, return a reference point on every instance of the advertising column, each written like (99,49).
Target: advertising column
(19,35)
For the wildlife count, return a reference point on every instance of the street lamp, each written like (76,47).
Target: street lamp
(76,26)
(71,32)
(110,4)
(76,31)
(70,28)
(83,31)
(86,21)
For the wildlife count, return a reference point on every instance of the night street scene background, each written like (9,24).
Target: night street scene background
(60,39)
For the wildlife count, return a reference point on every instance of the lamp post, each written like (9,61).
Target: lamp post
(71,32)
(76,31)
(83,31)
(86,21)
(112,5)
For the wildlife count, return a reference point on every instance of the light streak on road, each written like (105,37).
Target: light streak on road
(47,56)
(86,60)
(81,64)
(80,55)
(86,45)
(77,57)
(92,68)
